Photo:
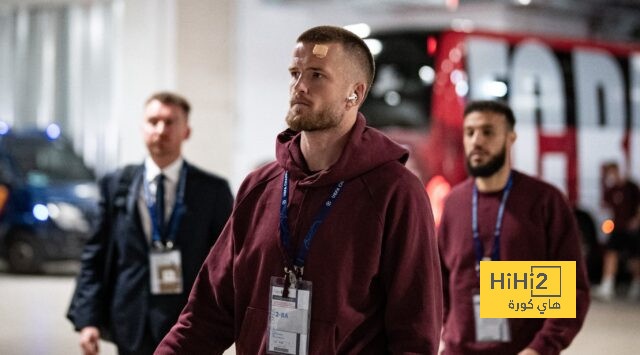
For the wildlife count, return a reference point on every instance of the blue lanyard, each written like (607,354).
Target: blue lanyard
(284,224)
(495,255)
(168,239)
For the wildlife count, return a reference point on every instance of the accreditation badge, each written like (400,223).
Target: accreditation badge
(289,318)
(489,329)
(166,272)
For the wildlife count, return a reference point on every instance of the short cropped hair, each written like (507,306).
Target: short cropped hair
(352,44)
(494,107)
(171,98)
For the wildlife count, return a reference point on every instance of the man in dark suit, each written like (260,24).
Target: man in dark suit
(157,223)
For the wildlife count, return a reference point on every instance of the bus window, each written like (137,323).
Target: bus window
(401,92)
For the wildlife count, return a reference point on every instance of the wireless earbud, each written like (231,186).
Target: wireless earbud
(352,97)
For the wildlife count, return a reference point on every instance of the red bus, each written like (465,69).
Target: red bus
(576,102)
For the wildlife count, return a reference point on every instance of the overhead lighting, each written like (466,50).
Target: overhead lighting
(53,131)
(462,88)
(4,128)
(524,2)
(455,55)
(427,74)
(457,75)
(495,88)
(40,212)
(361,30)
(392,98)
(375,46)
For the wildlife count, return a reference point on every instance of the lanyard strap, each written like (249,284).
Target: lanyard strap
(167,238)
(479,248)
(284,224)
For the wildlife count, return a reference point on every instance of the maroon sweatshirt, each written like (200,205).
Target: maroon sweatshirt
(538,225)
(623,200)
(373,262)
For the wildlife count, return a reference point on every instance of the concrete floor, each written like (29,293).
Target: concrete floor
(33,313)
(32,321)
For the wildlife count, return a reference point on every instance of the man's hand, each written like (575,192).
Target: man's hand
(528,351)
(89,339)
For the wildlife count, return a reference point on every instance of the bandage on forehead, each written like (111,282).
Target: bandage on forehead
(320,50)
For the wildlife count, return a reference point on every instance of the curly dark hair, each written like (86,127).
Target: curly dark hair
(492,106)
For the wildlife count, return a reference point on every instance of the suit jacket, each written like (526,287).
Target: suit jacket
(113,288)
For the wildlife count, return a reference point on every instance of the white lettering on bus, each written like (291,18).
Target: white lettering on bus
(537,85)
(569,159)
(599,88)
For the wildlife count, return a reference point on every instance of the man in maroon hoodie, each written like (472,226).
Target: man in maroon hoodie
(536,223)
(337,210)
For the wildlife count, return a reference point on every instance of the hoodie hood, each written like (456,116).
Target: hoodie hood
(366,149)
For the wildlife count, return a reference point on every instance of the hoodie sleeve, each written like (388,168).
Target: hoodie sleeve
(410,271)
(557,333)
(206,323)
(442,232)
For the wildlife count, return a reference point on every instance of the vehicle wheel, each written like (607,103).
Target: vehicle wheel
(24,254)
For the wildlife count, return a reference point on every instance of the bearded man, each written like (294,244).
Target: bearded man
(331,248)
(518,217)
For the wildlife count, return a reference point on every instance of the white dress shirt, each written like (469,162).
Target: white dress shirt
(151,172)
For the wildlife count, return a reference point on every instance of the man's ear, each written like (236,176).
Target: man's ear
(512,136)
(356,97)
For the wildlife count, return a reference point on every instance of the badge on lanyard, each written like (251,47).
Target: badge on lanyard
(290,296)
(290,317)
(165,261)
(166,272)
(488,329)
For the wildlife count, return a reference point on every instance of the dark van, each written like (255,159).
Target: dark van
(48,199)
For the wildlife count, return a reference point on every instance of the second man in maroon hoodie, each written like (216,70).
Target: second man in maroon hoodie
(337,217)
(518,217)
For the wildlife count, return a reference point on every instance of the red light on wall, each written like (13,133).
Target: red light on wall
(437,188)
(4,196)
(432,45)
(608,226)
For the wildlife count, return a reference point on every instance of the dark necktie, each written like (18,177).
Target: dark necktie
(160,204)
